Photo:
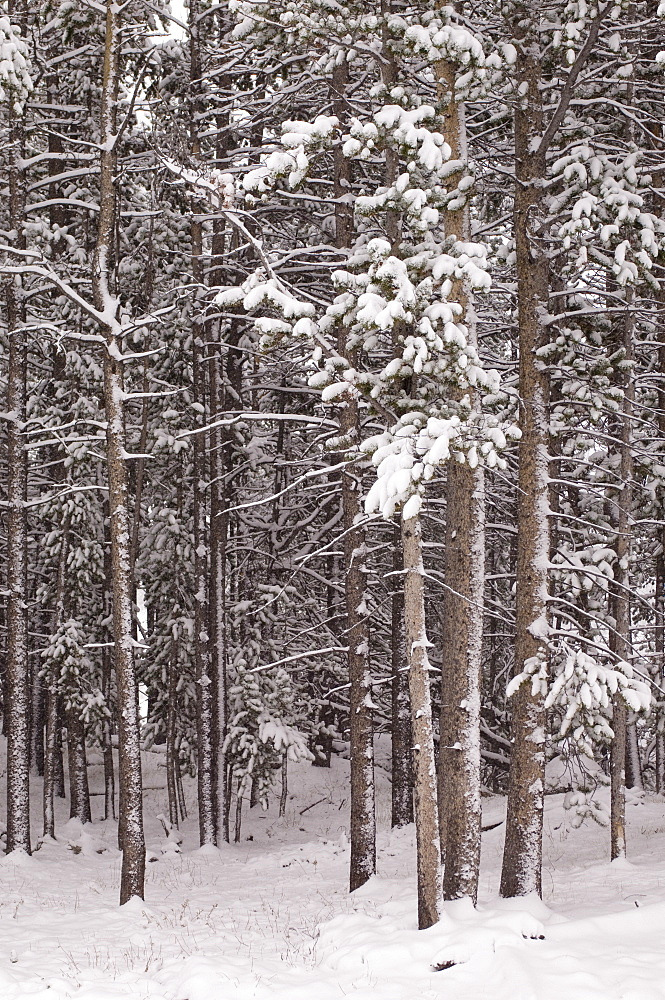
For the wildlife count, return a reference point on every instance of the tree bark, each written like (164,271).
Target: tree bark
(131,813)
(107,745)
(52,735)
(204,687)
(17,694)
(363,825)
(660,600)
(461,647)
(37,723)
(402,754)
(79,791)
(426,811)
(522,859)
(171,736)
(620,642)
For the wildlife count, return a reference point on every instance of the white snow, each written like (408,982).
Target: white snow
(271,917)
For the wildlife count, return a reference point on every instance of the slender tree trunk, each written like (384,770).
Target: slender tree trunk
(53,754)
(58,765)
(363,826)
(620,642)
(107,744)
(171,737)
(178,781)
(285,785)
(218,539)
(402,754)
(522,859)
(426,811)
(37,722)
(238,822)
(131,812)
(52,734)
(225,381)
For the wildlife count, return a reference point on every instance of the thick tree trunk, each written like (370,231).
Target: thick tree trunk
(660,575)
(461,647)
(363,823)
(17,691)
(426,811)
(402,754)
(77,761)
(522,859)
(459,751)
(660,646)
(131,812)
(204,686)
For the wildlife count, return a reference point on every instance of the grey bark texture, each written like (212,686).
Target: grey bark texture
(522,859)
(402,754)
(426,810)
(461,647)
(620,641)
(17,704)
(131,797)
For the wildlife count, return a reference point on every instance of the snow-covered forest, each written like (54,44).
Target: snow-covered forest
(332,351)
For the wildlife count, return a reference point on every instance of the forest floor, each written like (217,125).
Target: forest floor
(270,917)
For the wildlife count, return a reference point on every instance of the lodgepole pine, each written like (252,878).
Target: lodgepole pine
(426,811)
(522,858)
(106,303)
(459,756)
(17,704)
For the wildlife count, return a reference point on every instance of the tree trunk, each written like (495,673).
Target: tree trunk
(620,642)
(660,574)
(79,791)
(363,825)
(52,736)
(37,722)
(522,859)
(131,813)
(219,456)
(426,811)
(17,695)
(204,687)
(238,822)
(171,737)
(285,785)
(459,746)
(402,754)
(107,745)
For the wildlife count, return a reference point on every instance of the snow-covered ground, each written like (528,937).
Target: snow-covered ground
(271,917)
